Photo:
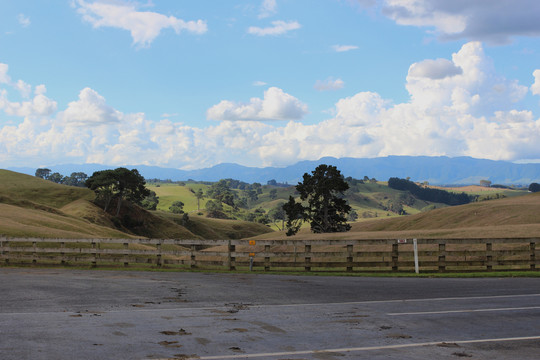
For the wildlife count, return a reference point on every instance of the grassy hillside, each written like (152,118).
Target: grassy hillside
(168,193)
(509,217)
(33,207)
(208,228)
(27,191)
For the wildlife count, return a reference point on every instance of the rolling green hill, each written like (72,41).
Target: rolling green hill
(33,207)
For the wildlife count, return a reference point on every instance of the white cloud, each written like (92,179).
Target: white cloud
(39,105)
(468,82)
(167,115)
(4,77)
(494,21)
(276,105)
(329,84)
(23,20)
(472,113)
(344,48)
(434,69)
(268,8)
(90,110)
(144,26)
(259,83)
(535,87)
(279,28)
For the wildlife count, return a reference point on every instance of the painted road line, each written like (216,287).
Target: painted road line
(358,349)
(409,300)
(464,311)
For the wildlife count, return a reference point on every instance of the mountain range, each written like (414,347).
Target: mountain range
(435,170)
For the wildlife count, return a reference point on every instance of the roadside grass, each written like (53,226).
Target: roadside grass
(262,272)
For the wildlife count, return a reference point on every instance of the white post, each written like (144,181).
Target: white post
(415,245)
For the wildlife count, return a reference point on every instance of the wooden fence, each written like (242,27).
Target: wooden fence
(391,255)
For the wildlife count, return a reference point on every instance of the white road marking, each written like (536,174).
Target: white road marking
(408,300)
(365,348)
(464,311)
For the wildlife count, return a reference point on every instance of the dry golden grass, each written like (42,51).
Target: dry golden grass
(22,222)
(509,217)
(25,190)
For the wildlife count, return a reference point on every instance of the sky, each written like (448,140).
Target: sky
(191,84)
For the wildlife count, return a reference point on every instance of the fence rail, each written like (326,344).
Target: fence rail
(311,255)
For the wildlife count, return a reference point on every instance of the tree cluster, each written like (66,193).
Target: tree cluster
(534,187)
(120,184)
(429,194)
(75,179)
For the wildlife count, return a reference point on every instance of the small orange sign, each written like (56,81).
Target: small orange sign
(251,242)
(251,254)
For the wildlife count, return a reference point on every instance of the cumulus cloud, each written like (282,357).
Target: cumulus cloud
(144,26)
(259,83)
(329,84)
(344,48)
(434,69)
(4,77)
(535,88)
(278,27)
(494,21)
(268,8)
(276,105)
(474,112)
(468,81)
(90,110)
(39,105)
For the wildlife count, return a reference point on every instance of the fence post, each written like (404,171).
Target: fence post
(266,258)
(34,254)
(307,257)
(489,256)
(126,254)
(532,247)
(415,249)
(62,253)
(94,252)
(349,258)
(192,262)
(395,257)
(5,253)
(158,255)
(442,257)
(232,259)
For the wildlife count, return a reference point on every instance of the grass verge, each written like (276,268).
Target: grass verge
(153,268)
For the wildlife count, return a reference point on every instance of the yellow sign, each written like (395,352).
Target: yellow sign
(251,242)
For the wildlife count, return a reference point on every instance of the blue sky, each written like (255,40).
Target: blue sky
(191,84)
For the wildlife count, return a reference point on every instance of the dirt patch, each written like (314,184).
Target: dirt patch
(203,341)
(179,332)
(240,330)
(172,344)
(398,336)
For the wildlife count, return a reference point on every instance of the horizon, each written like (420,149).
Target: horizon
(263,167)
(441,170)
(266,83)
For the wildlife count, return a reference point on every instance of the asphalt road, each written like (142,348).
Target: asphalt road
(71,314)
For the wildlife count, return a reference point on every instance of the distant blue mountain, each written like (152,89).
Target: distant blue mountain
(436,170)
